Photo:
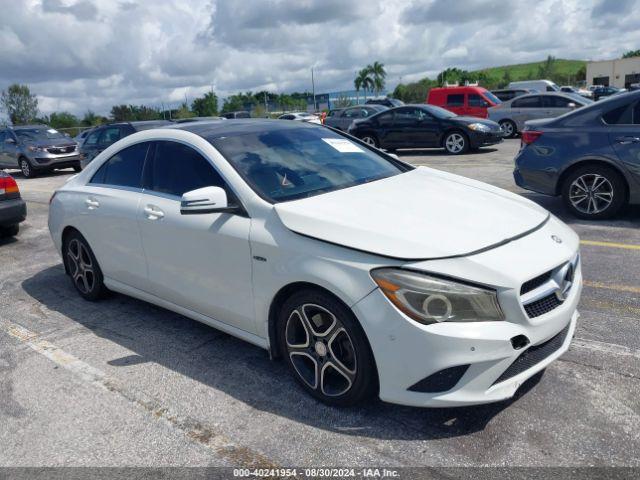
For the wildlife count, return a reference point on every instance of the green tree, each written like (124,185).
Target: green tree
(548,68)
(183,112)
(63,120)
(378,76)
(631,53)
(90,119)
(363,81)
(506,79)
(19,103)
(206,106)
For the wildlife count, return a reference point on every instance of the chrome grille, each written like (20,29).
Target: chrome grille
(548,291)
(542,306)
(64,149)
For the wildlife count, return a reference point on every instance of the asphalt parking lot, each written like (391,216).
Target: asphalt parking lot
(124,383)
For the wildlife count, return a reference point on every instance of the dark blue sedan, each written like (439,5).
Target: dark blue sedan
(590,156)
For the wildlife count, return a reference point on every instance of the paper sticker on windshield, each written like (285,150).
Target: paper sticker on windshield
(52,130)
(343,145)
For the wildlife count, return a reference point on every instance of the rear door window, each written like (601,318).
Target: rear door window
(455,100)
(124,169)
(527,102)
(556,102)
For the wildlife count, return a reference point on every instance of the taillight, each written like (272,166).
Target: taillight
(9,187)
(530,136)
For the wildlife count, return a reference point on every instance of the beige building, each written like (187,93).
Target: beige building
(616,73)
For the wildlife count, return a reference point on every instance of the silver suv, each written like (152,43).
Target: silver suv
(36,148)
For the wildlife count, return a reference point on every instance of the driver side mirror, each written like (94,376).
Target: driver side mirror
(206,200)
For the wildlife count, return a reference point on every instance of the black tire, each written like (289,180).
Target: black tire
(9,231)
(594,187)
(370,139)
(509,127)
(27,169)
(89,283)
(341,354)
(459,140)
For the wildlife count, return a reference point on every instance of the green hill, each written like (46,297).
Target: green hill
(559,70)
(563,69)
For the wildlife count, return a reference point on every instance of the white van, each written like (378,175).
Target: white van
(539,85)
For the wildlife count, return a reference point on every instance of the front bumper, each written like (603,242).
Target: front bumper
(408,353)
(480,139)
(12,212)
(50,161)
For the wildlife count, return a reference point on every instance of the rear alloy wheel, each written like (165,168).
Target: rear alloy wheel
(83,268)
(370,140)
(509,128)
(27,169)
(326,349)
(594,192)
(456,143)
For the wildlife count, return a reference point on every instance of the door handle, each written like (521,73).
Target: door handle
(91,203)
(153,213)
(627,140)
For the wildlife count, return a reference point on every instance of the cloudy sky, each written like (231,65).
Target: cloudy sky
(91,54)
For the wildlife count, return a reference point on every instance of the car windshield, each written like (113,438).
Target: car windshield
(38,134)
(492,97)
(439,112)
(292,163)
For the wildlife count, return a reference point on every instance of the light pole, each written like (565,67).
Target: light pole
(313,89)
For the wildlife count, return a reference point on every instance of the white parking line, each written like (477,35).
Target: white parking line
(192,429)
(604,347)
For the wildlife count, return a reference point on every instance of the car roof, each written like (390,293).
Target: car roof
(216,129)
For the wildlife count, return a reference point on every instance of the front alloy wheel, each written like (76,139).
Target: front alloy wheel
(456,143)
(370,140)
(27,170)
(325,349)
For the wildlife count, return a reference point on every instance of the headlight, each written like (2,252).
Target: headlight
(31,148)
(429,299)
(479,127)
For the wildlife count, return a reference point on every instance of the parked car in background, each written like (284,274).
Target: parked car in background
(511,115)
(300,117)
(369,277)
(583,92)
(591,157)
(103,136)
(507,94)
(346,116)
(426,126)
(13,210)
(79,138)
(602,91)
(198,119)
(467,101)
(240,114)
(37,148)
(385,101)
(537,85)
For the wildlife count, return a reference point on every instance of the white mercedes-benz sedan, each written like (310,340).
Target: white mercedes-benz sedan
(367,275)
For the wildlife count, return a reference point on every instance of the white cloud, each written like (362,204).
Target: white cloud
(91,54)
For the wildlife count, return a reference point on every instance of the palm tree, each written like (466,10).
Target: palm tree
(364,81)
(378,74)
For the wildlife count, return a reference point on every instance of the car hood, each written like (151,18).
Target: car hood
(420,214)
(62,142)
(470,120)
